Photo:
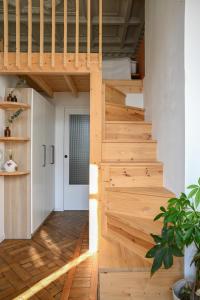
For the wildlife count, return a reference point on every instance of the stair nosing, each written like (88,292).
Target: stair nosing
(119,163)
(128,141)
(126,106)
(129,122)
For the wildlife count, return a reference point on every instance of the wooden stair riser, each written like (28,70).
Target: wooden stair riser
(133,152)
(137,285)
(141,206)
(120,113)
(131,230)
(131,176)
(114,96)
(138,246)
(134,131)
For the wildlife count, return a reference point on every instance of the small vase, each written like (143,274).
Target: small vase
(7,132)
(10,166)
(9,97)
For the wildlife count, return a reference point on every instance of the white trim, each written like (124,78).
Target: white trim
(2,238)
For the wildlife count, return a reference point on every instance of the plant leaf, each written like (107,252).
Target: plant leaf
(197,198)
(193,192)
(158,259)
(177,252)
(168,258)
(158,216)
(192,186)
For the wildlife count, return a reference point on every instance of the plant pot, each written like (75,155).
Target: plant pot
(177,287)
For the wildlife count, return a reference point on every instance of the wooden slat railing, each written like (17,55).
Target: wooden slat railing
(30,54)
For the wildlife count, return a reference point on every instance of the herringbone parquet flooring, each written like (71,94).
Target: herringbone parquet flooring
(25,262)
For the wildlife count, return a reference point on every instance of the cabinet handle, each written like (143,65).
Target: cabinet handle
(52,154)
(45,155)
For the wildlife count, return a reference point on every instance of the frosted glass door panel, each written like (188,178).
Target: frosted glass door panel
(79,149)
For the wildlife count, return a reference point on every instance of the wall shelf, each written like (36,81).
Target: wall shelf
(13,139)
(17,173)
(13,105)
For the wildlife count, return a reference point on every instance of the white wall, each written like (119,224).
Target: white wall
(164,85)
(5,82)
(62,101)
(192,101)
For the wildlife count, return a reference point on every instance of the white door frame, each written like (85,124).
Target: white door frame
(85,189)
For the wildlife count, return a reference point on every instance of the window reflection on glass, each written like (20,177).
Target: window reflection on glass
(79,149)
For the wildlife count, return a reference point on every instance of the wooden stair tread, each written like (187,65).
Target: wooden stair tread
(129,141)
(129,122)
(114,257)
(153,191)
(126,107)
(144,225)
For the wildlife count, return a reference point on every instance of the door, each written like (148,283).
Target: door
(76,159)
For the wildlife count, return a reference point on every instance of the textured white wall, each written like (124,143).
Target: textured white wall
(164,85)
(192,101)
(5,82)
(62,101)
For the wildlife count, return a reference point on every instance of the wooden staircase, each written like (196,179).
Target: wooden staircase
(131,194)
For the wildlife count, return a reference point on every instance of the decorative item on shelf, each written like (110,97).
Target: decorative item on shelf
(7,132)
(10,165)
(9,97)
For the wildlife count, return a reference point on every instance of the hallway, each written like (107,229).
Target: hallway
(33,269)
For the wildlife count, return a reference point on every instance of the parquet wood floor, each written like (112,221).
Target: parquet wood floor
(62,237)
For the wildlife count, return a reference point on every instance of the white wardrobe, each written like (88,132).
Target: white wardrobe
(42,159)
(29,199)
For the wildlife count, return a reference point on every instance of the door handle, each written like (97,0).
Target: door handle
(52,154)
(44,155)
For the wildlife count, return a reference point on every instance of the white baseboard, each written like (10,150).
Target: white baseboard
(2,237)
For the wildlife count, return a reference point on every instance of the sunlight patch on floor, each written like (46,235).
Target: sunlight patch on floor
(52,277)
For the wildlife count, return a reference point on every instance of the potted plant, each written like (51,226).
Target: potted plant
(181,228)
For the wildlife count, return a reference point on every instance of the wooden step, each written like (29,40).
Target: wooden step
(116,130)
(129,151)
(126,86)
(138,227)
(123,275)
(116,112)
(134,205)
(114,96)
(132,175)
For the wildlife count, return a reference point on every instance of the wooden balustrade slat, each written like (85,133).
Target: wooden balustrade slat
(77,35)
(65,32)
(17,2)
(53,33)
(29,33)
(5,15)
(100,33)
(41,33)
(88,32)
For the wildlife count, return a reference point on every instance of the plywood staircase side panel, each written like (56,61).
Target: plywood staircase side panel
(126,86)
(122,151)
(123,113)
(128,130)
(114,96)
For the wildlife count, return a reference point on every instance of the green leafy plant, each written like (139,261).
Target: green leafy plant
(14,116)
(181,228)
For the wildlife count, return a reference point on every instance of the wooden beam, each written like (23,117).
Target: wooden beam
(29,33)
(41,84)
(17,33)
(70,83)
(77,35)
(5,15)
(88,31)
(53,33)
(41,32)
(65,32)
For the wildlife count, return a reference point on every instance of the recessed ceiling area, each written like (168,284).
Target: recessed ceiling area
(123,26)
(50,84)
